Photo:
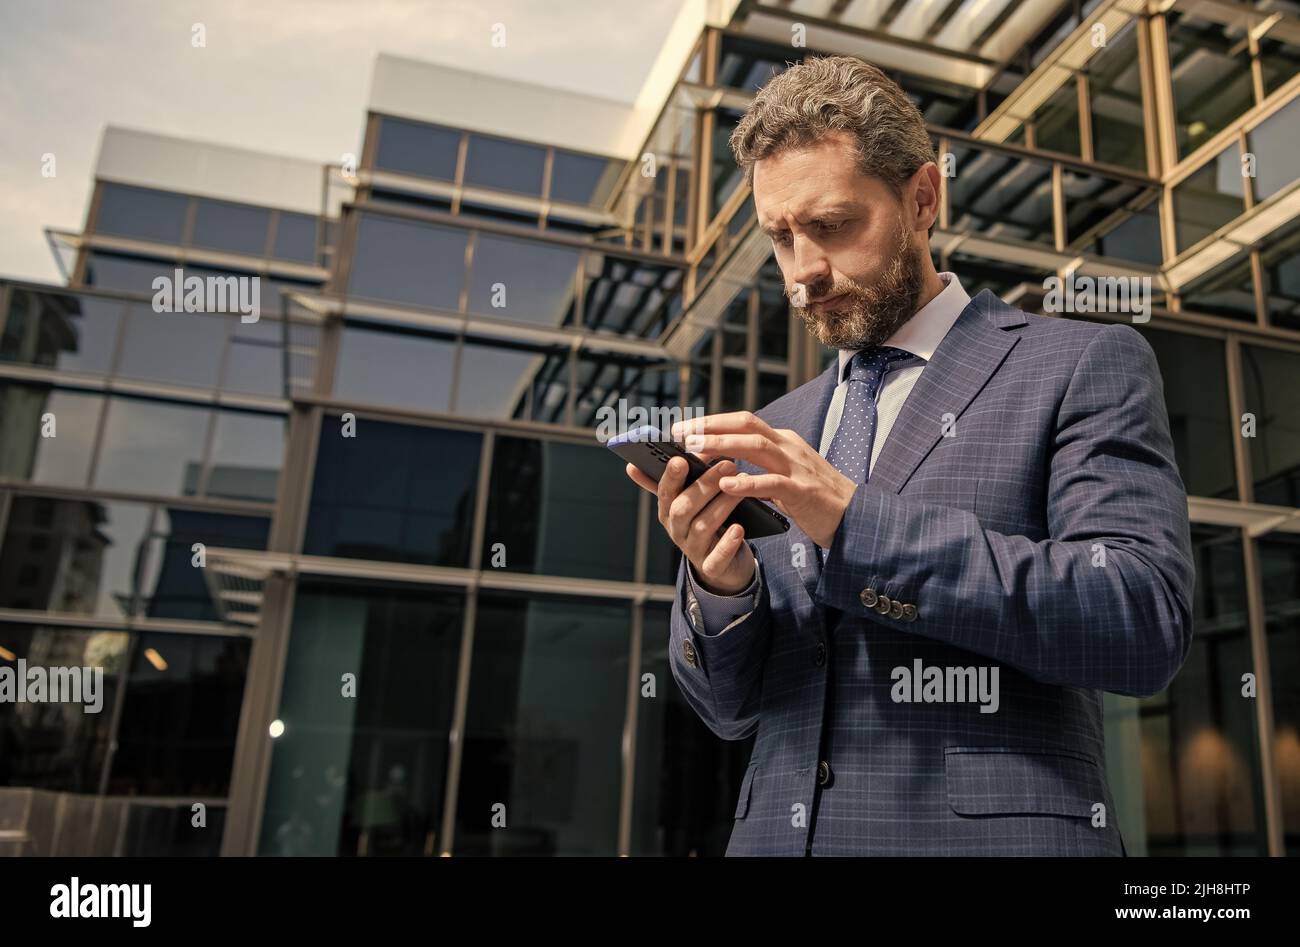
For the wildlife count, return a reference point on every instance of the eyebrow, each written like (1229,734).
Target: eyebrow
(835,210)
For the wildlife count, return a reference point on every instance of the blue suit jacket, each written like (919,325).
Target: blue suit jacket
(1046,533)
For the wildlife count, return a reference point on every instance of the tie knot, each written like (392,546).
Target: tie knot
(870,364)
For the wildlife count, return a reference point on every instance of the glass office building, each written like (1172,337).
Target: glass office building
(361,577)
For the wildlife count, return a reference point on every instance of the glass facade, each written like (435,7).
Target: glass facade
(385,503)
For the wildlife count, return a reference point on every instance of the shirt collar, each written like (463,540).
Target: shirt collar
(922,334)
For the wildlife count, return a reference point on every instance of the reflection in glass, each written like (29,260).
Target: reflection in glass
(238,228)
(1209,64)
(172,587)
(183,348)
(141,213)
(544,726)
(408,262)
(395,366)
(1272,397)
(1199,744)
(28,413)
(500,381)
(151,447)
(79,556)
(1279,566)
(1275,144)
(58,746)
(366,775)
(1056,123)
(687,780)
(1227,291)
(523,280)
(1209,198)
(394,492)
(180,715)
(1115,94)
(1001,195)
(247,451)
(1281,266)
(64,332)
(560,509)
(630,297)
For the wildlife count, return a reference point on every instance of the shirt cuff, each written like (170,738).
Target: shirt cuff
(712,613)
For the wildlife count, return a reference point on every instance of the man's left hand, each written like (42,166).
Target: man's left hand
(804,485)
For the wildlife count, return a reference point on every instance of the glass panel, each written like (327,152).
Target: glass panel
(391,365)
(543,727)
(582,179)
(255,360)
(1279,61)
(1210,67)
(1275,145)
(393,492)
(1199,747)
(173,587)
(1208,198)
(1196,399)
(497,381)
(68,333)
(125,274)
(59,746)
(1272,397)
(152,447)
(1281,263)
(1279,567)
(773,313)
(167,831)
(416,148)
(630,297)
(726,176)
(47,435)
(747,65)
(79,556)
(523,280)
(247,450)
(295,237)
(141,213)
(182,348)
(1132,235)
(663,559)
(1093,201)
(687,780)
(180,716)
(1115,91)
(507,165)
(1227,291)
(1056,123)
(606,379)
(364,775)
(559,509)
(238,228)
(1001,195)
(408,262)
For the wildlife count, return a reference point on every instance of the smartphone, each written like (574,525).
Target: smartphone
(648,451)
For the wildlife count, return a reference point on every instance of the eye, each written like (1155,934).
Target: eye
(831,226)
(781,239)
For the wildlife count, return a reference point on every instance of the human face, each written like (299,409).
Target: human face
(846,244)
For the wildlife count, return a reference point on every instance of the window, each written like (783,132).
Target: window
(68,333)
(141,213)
(1056,123)
(29,414)
(1275,144)
(523,280)
(124,273)
(415,148)
(1227,291)
(581,179)
(1208,198)
(1210,67)
(1001,195)
(238,228)
(630,297)
(1115,93)
(395,366)
(364,776)
(407,262)
(544,727)
(1093,201)
(1281,264)
(1279,565)
(499,381)
(152,447)
(505,165)
(295,237)
(1273,399)
(247,452)
(172,587)
(560,509)
(393,492)
(180,348)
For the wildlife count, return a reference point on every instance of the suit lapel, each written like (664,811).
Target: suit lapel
(968,355)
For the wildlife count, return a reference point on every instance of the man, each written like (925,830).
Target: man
(989,529)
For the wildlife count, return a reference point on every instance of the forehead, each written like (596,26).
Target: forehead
(803,179)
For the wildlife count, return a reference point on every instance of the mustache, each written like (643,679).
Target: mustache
(800,293)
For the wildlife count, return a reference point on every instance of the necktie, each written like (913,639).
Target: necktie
(850,450)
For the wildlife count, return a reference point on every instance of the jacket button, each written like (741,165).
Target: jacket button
(689,650)
(823,773)
(883,605)
(868,597)
(909,612)
(896,609)
(821,653)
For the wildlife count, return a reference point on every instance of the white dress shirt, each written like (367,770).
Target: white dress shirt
(921,336)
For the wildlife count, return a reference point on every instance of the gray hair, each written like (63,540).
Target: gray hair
(836,93)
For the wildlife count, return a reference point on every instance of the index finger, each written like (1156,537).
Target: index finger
(731,422)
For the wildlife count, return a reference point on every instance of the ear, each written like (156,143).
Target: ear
(922,205)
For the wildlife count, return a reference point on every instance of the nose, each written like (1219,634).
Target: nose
(810,264)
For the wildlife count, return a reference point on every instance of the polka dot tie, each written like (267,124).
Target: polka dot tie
(850,450)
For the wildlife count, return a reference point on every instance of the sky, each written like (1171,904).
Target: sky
(284,76)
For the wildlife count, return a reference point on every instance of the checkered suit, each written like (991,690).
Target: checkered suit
(1058,454)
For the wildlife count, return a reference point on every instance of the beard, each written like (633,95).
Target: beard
(868,315)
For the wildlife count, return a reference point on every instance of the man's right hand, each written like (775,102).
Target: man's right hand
(722,560)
